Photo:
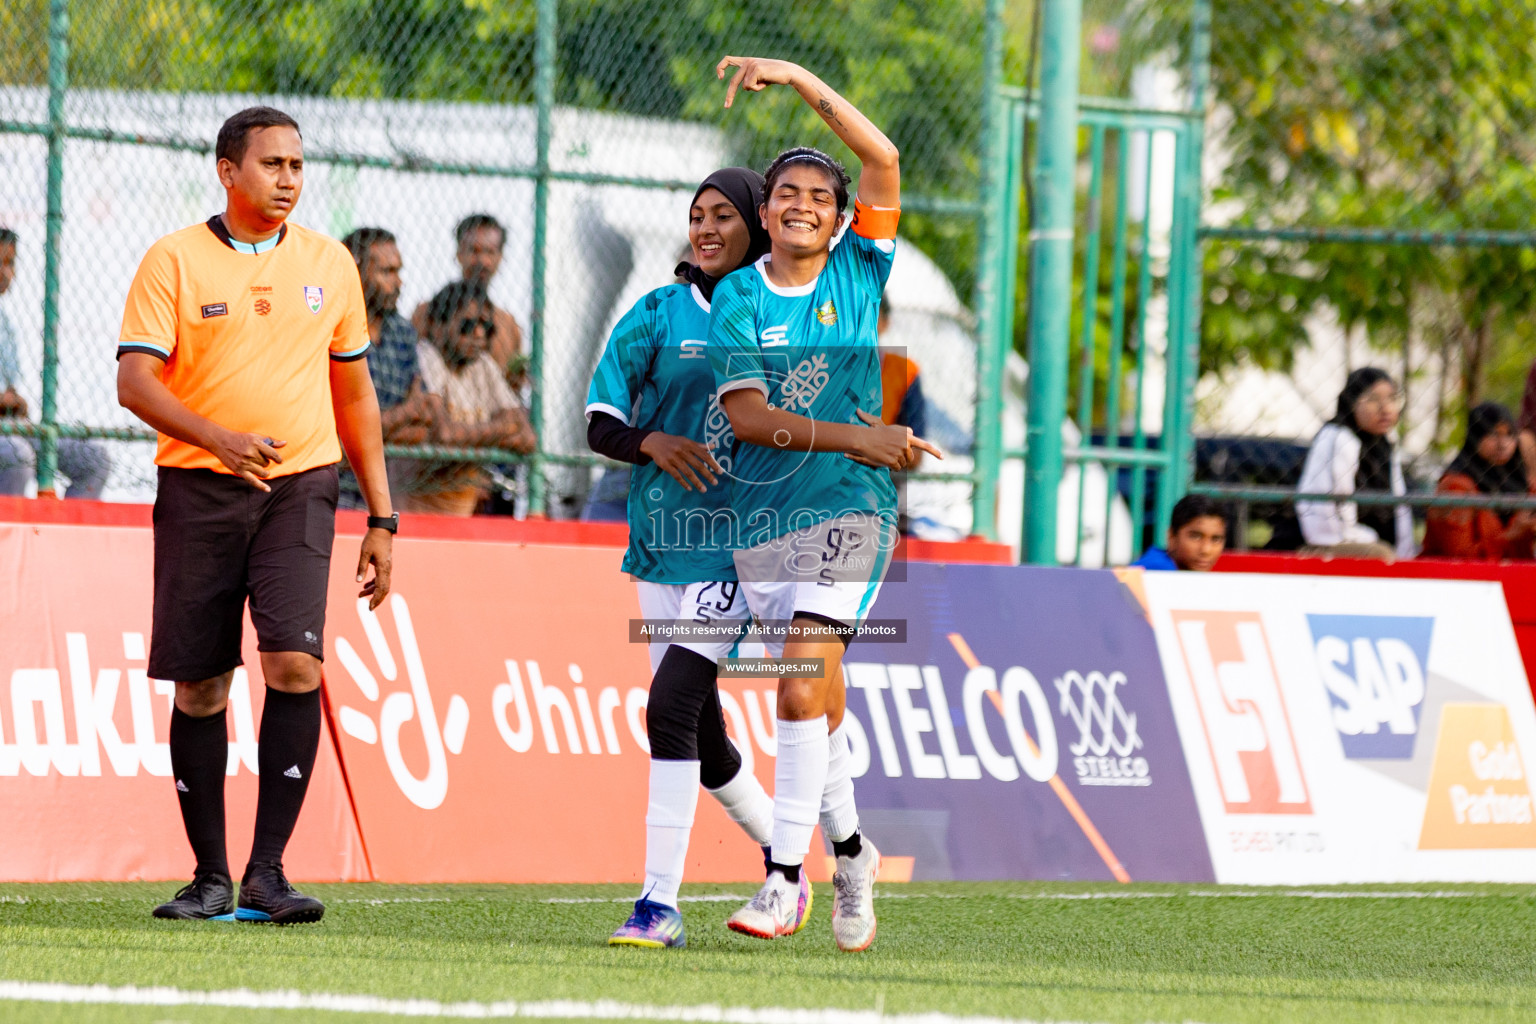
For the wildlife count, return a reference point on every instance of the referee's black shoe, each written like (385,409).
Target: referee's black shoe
(210,897)
(265,895)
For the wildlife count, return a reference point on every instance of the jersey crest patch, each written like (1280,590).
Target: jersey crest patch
(827,313)
(313,297)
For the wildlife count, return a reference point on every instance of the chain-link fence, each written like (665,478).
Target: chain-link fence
(580,126)
(1371,186)
(1364,171)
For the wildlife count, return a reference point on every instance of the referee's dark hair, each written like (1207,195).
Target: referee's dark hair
(1193,506)
(234,136)
(476,221)
(360,242)
(7,236)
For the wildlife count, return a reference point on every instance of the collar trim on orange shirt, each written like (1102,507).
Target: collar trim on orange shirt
(216,225)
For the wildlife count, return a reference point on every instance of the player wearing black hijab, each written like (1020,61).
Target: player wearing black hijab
(652,404)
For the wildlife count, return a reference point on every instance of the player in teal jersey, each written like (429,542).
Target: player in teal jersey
(651,400)
(794,345)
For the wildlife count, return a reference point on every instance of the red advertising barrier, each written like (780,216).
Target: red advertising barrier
(493,688)
(84,768)
(1517,578)
(489,689)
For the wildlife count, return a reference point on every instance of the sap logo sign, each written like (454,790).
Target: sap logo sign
(1374,668)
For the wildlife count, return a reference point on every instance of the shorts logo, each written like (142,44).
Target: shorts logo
(313,297)
(1106,732)
(827,313)
(1374,668)
(1237,693)
(215,309)
(263,307)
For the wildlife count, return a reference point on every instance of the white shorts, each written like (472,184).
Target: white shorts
(660,602)
(832,570)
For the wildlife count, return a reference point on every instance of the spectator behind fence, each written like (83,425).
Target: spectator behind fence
(481,240)
(1197,535)
(407,411)
(85,463)
(1527,424)
(1488,463)
(1354,454)
(481,410)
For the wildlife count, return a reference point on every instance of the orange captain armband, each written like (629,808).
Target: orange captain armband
(874,222)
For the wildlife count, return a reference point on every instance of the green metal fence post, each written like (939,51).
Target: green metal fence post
(994,322)
(58,82)
(544,96)
(1184,360)
(1050,300)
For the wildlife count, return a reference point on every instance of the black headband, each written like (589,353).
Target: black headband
(815,157)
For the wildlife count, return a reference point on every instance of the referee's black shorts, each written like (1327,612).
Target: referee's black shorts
(218,540)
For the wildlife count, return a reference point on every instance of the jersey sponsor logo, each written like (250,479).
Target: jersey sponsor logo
(772,336)
(805,383)
(827,313)
(719,438)
(1479,789)
(215,309)
(691,349)
(1374,668)
(314,297)
(262,307)
(1247,727)
(1104,753)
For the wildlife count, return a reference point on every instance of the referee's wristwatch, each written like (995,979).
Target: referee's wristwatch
(389,522)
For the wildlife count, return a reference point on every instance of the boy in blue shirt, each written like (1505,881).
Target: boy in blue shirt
(1197,535)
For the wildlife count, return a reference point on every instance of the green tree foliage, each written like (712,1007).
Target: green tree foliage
(914,68)
(1400,114)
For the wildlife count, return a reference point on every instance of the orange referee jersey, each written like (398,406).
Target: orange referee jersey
(247,337)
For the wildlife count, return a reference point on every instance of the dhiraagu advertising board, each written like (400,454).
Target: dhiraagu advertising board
(1351,730)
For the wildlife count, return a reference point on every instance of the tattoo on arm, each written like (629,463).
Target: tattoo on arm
(828,111)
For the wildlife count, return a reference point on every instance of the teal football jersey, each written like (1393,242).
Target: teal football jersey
(654,375)
(812,350)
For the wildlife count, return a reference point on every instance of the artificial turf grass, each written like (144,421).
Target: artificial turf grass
(955,947)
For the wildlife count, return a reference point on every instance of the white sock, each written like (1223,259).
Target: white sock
(799,776)
(748,805)
(839,816)
(668,821)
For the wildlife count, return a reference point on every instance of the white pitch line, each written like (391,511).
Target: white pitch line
(603,1009)
(1102,894)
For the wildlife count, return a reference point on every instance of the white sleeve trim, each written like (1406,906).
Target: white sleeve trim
(741,385)
(622,417)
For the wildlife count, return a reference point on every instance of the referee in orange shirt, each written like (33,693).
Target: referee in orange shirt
(243,343)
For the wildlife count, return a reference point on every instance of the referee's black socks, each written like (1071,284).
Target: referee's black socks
(199,754)
(285,758)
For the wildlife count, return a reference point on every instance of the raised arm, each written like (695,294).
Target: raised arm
(880,174)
